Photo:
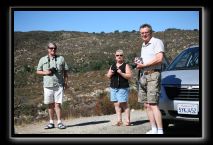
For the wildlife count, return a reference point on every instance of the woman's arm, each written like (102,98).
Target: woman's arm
(128,74)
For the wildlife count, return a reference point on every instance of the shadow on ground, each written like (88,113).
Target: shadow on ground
(184,129)
(140,122)
(89,123)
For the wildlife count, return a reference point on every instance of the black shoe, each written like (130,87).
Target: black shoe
(49,126)
(61,126)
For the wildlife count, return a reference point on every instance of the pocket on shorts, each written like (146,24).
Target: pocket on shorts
(155,76)
(153,97)
(143,81)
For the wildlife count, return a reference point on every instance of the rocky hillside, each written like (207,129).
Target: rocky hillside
(88,55)
(90,51)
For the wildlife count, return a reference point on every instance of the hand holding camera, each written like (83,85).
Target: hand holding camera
(114,69)
(138,60)
(52,70)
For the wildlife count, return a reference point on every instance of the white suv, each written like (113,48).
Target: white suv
(179,99)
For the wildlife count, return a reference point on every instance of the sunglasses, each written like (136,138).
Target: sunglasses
(119,55)
(51,48)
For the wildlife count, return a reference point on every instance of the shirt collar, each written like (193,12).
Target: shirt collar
(150,41)
(52,57)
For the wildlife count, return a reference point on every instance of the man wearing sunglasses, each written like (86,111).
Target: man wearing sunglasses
(54,69)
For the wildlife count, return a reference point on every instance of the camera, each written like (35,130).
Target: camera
(137,60)
(114,69)
(53,70)
(133,65)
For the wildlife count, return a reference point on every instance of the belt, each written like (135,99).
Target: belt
(151,71)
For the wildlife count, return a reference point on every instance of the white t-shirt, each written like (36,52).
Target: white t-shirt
(149,50)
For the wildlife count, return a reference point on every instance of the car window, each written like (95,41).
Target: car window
(188,59)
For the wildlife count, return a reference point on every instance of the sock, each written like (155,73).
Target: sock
(154,128)
(51,121)
(59,121)
(160,130)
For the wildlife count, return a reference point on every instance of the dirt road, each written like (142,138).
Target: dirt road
(103,125)
(92,125)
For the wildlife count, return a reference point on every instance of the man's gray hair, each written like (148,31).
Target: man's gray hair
(148,26)
(51,44)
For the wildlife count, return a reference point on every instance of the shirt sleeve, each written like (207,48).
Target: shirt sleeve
(65,64)
(40,65)
(159,46)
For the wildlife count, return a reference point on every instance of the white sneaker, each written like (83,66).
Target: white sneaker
(160,132)
(151,132)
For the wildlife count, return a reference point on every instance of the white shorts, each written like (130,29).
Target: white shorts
(53,95)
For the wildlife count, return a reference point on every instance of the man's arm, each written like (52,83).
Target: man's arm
(65,79)
(43,72)
(158,59)
(40,70)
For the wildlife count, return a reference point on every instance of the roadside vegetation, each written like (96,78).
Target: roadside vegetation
(88,55)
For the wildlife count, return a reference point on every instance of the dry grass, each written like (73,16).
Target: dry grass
(86,96)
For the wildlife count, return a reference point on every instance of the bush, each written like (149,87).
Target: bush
(104,106)
(133,100)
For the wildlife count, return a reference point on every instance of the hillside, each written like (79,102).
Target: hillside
(88,55)
(93,51)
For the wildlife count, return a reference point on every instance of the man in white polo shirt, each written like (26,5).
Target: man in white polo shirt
(152,53)
(54,69)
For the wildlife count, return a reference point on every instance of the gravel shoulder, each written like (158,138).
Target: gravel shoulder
(92,125)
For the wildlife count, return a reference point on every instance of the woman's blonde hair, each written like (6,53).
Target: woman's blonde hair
(120,51)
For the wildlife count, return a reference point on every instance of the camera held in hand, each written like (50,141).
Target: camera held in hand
(53,70)
(114,69)
(137,60)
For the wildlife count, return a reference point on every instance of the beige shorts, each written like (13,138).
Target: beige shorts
(149,90)
(53,95)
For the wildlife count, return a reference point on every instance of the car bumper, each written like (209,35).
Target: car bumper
(169,110)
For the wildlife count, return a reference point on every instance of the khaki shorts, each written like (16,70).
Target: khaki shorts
(53,95)
(149,88)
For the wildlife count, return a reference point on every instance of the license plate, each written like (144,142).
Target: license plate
(187,109)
